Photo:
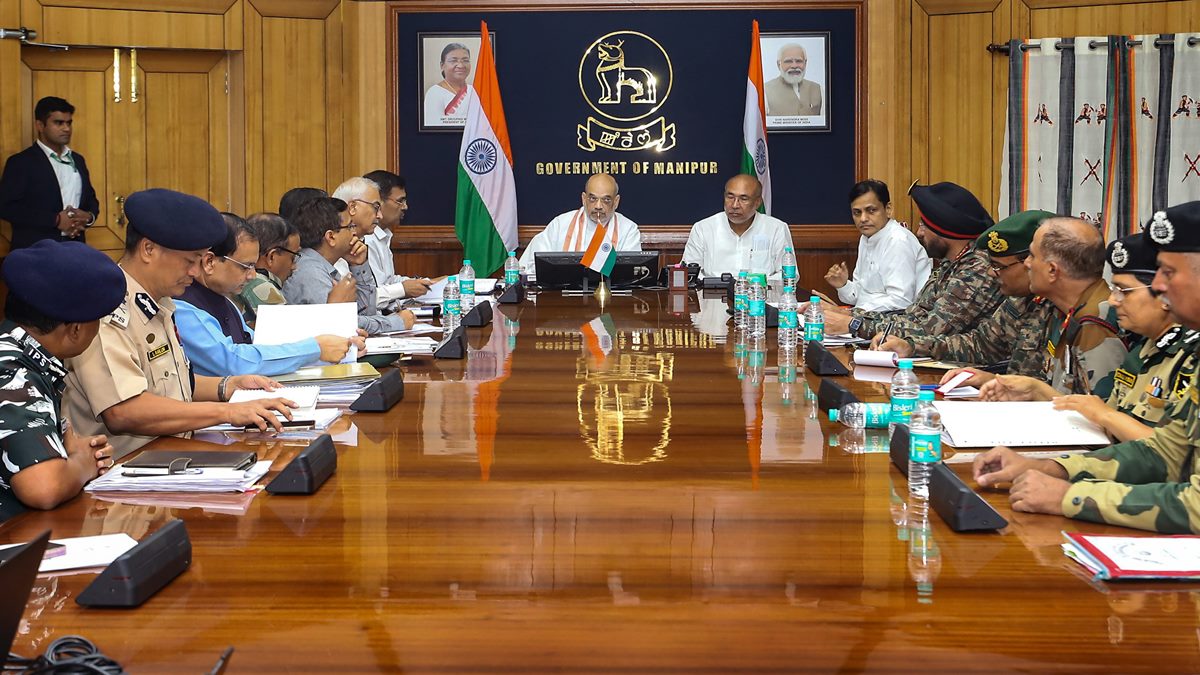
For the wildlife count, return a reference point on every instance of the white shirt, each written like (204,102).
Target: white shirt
(70,183)
(388,284)
(718,249)
(554,237)
(892,268)
(436,100)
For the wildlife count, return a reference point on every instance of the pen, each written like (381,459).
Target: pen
(219,666)
(886,331)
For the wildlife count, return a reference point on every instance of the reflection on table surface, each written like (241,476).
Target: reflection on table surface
(608,489)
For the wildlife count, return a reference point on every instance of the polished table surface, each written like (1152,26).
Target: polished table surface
(543,507)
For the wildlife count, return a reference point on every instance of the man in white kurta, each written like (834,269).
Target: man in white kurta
(573,230)
(739,237)
(892,265)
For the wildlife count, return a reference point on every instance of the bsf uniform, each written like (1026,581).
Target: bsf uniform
(1157,374)
(960,293)
(1153,483)
(69,282)
(137,349)
(1015,331)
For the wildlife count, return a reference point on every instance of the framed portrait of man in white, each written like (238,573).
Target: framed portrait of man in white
(796,81)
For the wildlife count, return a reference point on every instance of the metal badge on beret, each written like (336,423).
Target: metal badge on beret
(1161,229)
(1120,257)
(996,244)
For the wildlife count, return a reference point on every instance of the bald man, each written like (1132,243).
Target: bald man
(723,241)
(573,230)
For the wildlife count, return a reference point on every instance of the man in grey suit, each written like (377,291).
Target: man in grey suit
(790,93)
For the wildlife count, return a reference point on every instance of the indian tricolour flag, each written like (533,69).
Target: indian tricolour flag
(598,336)
(754,126)
(485,217)
(600,255)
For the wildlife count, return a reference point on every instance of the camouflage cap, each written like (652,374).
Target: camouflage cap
(1132,254)
(1175,230)
(1013,235)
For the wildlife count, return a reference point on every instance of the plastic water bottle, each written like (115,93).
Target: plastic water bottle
(758,305)
(789,270)
(814,321)
(451,306)
(787,376)
(466,286)
(741,300)
(925,445)
(756,359)
(512,270)
(862,415)
(906,389)
(789,322)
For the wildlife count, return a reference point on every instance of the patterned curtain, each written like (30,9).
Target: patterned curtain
(1102,128)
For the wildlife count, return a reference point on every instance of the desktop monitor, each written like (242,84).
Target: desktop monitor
(17,573)
(633,269)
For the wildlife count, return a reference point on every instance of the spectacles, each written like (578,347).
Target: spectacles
(375,205)
(1000,268)
(245,267)
(403,201)
(1120,293)
(295,254)
(607,200)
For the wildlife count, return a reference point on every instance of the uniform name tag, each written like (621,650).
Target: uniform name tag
(157,352)
(1124,377)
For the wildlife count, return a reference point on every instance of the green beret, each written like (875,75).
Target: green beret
(1013,235)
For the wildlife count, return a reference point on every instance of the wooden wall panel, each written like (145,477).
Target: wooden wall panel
(178,157)
(960,102)
(1131,18)
(196,6)
(295,117)
(365,48)
(75,26)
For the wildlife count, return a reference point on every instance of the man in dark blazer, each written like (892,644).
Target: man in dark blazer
(46,191)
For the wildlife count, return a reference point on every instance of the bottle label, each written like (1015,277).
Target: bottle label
(877,415)
(925,448)
(466,286)
(452,306)
(789,319)
(814,331)
(757,358)
(787,373)
(512,277)
(789,272)
(902,409)
(758,308)
(741,303)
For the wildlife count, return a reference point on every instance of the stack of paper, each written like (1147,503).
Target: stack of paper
(302,396)
(417,329)
(401,345)
(312,417)
(339,373)
(973,424)
(1117,557)
(844,339)
(284,324)
(194,480)
(86,552)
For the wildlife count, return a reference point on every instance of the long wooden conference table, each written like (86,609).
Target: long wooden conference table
(543,506)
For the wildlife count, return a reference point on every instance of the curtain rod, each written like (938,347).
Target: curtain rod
(1092,44)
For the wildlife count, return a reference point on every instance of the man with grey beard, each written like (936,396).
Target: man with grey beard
(790,93)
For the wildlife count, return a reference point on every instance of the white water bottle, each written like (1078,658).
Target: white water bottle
(814,321)
(758,305)
(741,300)
(906,389)
(924,445)
(789,321)
(466,286)
(789,270)
(862,415)
(451,306)
(512,270)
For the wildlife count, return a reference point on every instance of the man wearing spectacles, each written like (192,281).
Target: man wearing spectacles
(390,287)
(214,335)
(573,230)
(1016,330)
(726,241)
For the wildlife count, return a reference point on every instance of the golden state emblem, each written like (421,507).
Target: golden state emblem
(996,244)
(625,76)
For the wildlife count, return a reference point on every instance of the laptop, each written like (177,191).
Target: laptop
(16,578)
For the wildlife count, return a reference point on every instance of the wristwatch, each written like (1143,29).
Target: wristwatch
(855,324)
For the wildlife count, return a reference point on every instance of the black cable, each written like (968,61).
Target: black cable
(68,654)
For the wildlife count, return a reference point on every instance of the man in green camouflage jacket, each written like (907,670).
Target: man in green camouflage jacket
(1016,330)
(1151,484)
(961,291)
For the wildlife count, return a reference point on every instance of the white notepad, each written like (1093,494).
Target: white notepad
(303,397)
(975,424)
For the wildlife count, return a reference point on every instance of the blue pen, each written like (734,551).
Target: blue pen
(930,387)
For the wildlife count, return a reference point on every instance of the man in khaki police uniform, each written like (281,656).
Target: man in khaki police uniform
(134,382)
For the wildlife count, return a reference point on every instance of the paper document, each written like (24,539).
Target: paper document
(434,294)
(303,397)
(1121,557)
(320,419)
(194,480)
(417,329)
(973,424)
(844,339)
(284,324)
(85,552)
(883,359)
(342,372)
(401,345)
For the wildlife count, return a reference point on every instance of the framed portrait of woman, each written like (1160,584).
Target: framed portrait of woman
(447,68)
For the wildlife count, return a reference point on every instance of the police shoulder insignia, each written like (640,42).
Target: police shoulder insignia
(996,244)
(119,316)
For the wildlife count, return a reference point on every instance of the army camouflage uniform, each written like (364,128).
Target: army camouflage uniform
(263,289)
(1083,348)
(1150,484)
(1015,331)
(1171,359)
(960,294)
(32,382)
